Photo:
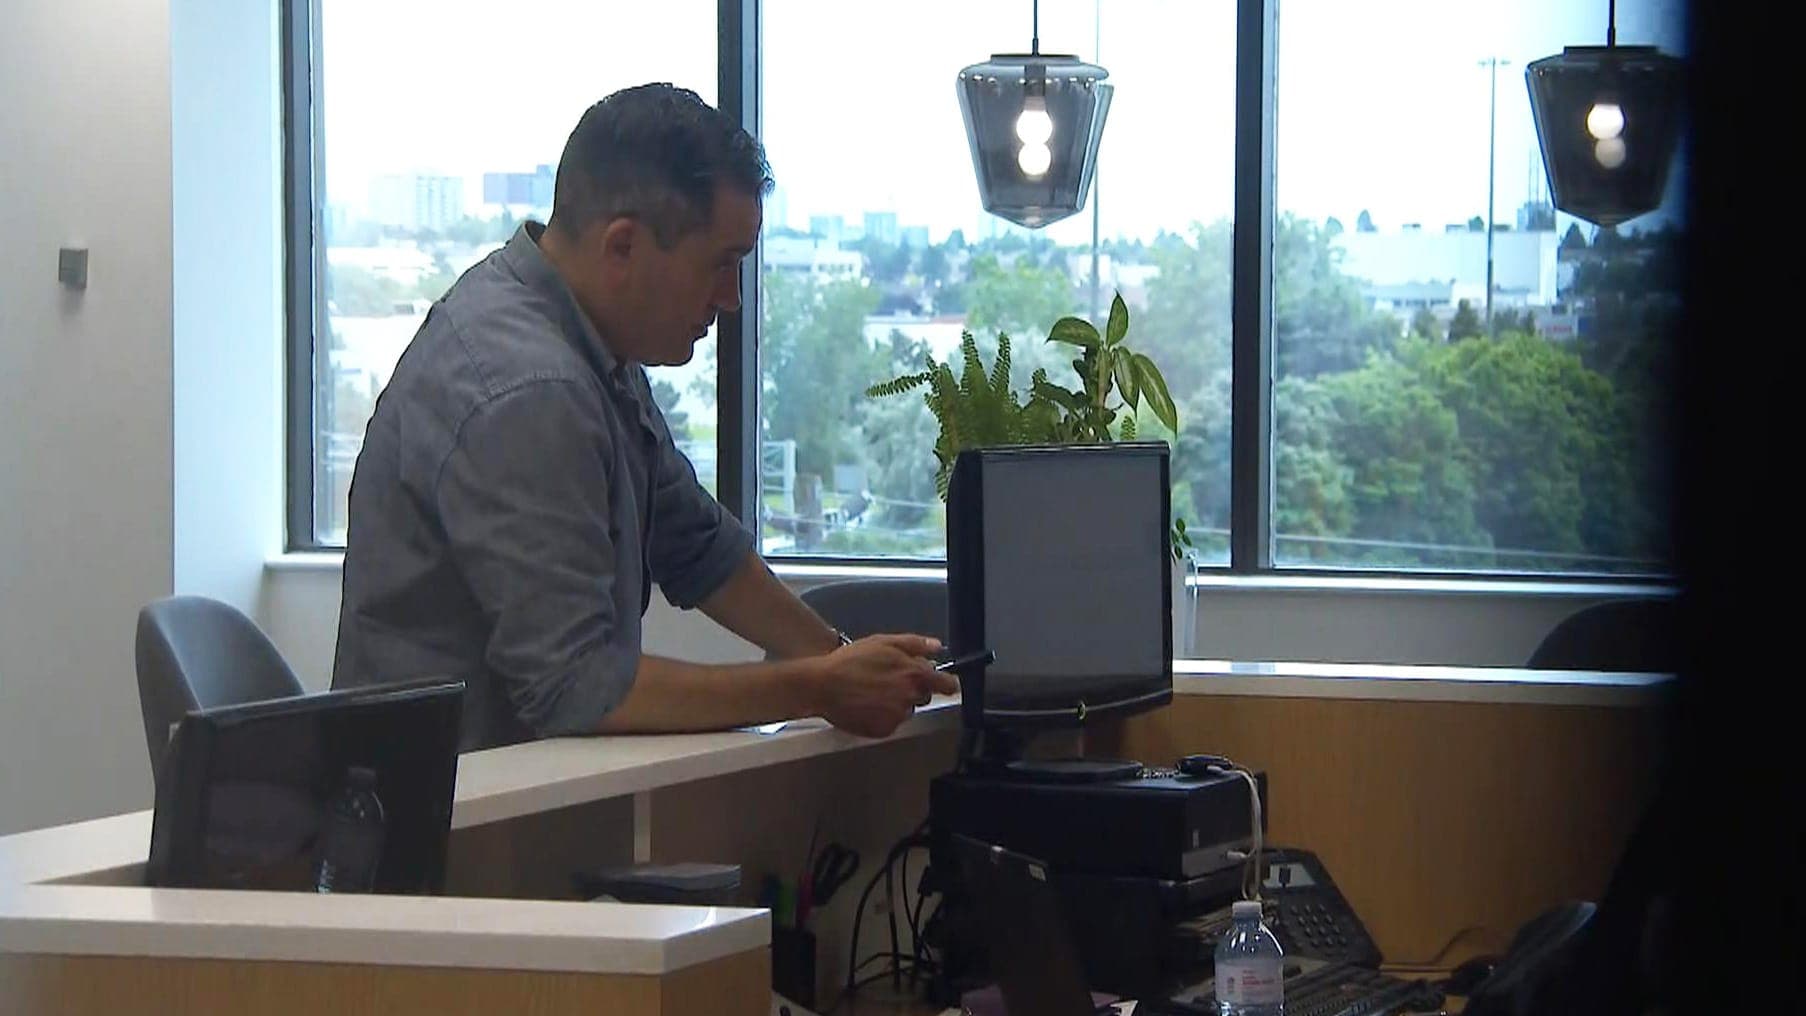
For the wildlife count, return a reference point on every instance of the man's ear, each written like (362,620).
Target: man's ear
(617,240)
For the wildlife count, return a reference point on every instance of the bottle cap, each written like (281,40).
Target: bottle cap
(1244,909)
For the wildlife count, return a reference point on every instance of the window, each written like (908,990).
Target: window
(1420,423)
(877,252)
(436,128)
(1364,402)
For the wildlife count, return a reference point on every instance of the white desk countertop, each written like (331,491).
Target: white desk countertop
(72,889)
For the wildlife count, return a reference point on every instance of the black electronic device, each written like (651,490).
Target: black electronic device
(1029,950)
(1078,613)
(1318,988)
(1304,909)
(1163,825)
(260,796)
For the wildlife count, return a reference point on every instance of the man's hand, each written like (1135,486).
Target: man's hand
(873,685)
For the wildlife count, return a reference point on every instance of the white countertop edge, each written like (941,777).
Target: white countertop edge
(525,779)
(1480,685)
(574,937)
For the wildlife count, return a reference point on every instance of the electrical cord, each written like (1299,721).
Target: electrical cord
(883,874)
(1251,860)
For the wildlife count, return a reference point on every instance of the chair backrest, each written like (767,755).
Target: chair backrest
(1639,635)
(862,607)
(197,653)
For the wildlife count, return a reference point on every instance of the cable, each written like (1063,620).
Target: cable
(1251,871)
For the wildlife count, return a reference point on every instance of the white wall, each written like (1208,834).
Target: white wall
(85,393)
(225,97)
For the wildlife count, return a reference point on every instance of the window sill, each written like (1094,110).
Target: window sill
(1281,583)
(814,574)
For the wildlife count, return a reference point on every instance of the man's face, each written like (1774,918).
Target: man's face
(676,293)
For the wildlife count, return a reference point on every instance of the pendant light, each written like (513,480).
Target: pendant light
(1033,121)
(1607,119)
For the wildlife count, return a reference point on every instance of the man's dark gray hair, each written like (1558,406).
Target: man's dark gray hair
(655,153)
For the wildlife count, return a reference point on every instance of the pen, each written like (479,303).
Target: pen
(980,658)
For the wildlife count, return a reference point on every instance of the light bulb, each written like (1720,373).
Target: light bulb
(1605,120)
(1034,126)
(1034,159)
(1609,152)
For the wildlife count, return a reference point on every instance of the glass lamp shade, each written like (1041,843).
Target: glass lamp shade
(1607,118)
(1024,179)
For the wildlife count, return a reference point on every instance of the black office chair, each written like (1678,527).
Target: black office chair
(862,607)
(1639,635)
(196,653)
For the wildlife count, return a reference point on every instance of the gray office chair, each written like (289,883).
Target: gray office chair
(1638,635)
(862,607)
(196,653)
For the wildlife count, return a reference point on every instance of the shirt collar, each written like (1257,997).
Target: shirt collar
(523,255)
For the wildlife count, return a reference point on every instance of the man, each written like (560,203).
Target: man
(518,492)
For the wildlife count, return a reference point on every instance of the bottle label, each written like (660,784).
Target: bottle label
(1249,982)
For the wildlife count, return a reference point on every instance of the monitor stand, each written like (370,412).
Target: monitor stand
(1002,758)
(1071,770)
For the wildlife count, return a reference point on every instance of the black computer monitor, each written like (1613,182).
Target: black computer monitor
(253,796)
(1058,562)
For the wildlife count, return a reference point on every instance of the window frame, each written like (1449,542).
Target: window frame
(740,28)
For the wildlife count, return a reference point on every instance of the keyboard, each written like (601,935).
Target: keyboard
(1314,988)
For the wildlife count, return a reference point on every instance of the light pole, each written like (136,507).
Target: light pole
(1491,63)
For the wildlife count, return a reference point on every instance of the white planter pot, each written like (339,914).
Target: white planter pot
(1185,608)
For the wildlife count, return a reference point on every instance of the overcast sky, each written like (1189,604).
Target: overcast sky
(1382,105)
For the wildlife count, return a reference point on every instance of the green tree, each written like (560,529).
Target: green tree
(900,435)
(1465,324)
(817,364)
(1545,436)
(1364,224)
(1424,324)
(1312,482)
(1321,321)
(1476,225)
(1023,300)
(1185,326)
(359,292)
(1573,239)
(1411,478)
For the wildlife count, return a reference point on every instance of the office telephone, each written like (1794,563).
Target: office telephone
(1304,909)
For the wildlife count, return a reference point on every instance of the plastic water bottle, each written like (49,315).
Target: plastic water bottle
(351,842)
(1250,966)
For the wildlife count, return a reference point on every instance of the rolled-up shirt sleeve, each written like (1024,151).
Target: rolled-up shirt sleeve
(525,500)
(696,543)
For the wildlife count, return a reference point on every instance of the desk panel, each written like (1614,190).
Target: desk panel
(737,985)
(1447,824)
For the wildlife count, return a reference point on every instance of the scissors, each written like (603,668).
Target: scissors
(831,869)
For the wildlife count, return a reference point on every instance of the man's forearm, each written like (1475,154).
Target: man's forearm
(670,696)
(754,605)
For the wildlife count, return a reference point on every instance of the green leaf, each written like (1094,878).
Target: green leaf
(1118,325)
(897,386)
(1070,401)
(1076,332)
(1154,387)
(1126,382)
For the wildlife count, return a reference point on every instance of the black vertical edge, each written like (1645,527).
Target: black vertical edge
(736,334)
(1251,408)
(301,154)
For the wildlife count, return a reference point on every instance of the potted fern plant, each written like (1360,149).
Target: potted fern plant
(977,407)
